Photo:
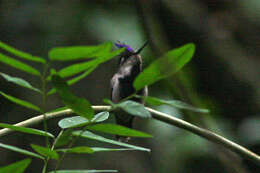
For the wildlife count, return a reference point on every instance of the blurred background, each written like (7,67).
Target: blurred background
(223,76)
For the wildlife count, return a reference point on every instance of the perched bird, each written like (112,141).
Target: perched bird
(130,65)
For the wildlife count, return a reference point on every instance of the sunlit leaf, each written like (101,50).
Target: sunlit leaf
(26,130)
(79,105)
(78,121)
(45,151)
(83,149)
(90,135)
(19,81)
(78,52)
(19,150)
(100,117)
(82,171)
(21,102)
(18,65)
(77,68)
(21,54)
(165,66)
(17,167)
(118,130)
(132,108)
(174,103)
(99,149)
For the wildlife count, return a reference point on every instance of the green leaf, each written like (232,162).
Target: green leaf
(19,150)
(100,117)
(18,65)
(99,149)
(117,130)
(92,66)
(82,76)
(21,54)
(78,121)
(19,81)
(79,105)
(131,107)
(89,135)
(83,149)
(78,52)
(17,167)
(108,56)
(52,91)
(88,66)
(77,150)
(45,151)
(26,130)
(134,108)
(165,66)
(82,171)
(58,110)
(21,102)
(74,80)
(174,103)
(72,122)
(77,68)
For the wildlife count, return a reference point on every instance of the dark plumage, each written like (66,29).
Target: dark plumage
(130,65)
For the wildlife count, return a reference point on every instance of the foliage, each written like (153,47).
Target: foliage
(91,57)
(17,167)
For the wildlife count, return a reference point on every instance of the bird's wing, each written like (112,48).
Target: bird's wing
(115,84)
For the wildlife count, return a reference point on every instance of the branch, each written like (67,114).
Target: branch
(213,137)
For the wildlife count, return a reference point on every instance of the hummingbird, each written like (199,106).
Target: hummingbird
(129,66)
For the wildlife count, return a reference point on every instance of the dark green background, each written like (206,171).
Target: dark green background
(223,76)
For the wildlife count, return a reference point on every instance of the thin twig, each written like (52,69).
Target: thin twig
(73,141)
(44,101)
(52,148)
(213,137)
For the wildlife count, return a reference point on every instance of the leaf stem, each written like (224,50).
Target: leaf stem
(74,139)
(52,148)
(45,166)
(44,101)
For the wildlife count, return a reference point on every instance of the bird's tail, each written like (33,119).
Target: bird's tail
(126,120)
(122,138)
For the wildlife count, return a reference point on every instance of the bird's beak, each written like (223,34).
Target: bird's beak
(140,49)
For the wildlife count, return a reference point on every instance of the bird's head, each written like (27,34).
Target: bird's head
(129,51)
(122,45)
